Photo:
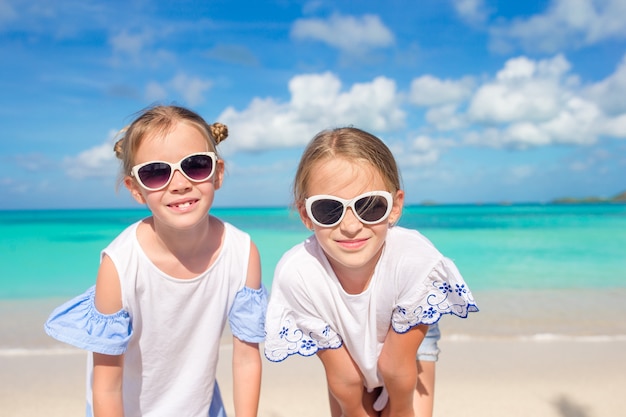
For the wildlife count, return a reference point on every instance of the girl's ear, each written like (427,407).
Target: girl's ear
(134,189)
(396,210)
(218,176)
(303,216)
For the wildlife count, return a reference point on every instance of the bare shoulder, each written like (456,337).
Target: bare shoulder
(108,289)
(253,280)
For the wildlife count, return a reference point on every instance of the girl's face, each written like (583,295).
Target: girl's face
(352,247)
(182,203)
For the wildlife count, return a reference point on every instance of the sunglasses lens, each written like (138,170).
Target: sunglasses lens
(154,175)
(197,167)
(372,208)
(327,211)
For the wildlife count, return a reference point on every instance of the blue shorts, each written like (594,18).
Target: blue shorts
(428,350)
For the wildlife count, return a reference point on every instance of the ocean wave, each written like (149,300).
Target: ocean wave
(537,338)
(452,338)
(55,351)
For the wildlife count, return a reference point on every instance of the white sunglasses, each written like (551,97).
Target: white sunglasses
(155,175)
(328,211)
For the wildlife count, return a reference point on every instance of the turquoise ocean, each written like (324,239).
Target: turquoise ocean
(56,253)
(535,270)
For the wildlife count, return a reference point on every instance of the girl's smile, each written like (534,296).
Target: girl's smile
(182,203)
(351,246)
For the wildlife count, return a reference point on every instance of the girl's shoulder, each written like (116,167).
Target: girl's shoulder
(408,239)
(302,254)
(232,233)
(126,237)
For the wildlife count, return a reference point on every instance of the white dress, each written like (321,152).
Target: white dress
(169,329)
(309,310)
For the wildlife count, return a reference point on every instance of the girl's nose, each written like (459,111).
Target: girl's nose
(350,223)
(179,182)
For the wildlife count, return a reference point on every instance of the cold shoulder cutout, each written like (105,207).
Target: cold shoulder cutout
(78,323)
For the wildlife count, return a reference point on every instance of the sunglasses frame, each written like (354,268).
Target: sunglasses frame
(177,166)
(308,202)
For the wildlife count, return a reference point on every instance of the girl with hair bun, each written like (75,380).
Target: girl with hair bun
(167,284)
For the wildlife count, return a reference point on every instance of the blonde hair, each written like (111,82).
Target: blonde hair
(352,144)
(159,120)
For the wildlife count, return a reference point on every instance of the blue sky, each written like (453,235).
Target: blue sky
(481,101)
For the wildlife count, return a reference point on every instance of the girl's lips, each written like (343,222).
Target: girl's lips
(352,243)
(183,205)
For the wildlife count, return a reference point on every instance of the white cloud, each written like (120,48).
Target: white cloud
(136,49)
(528,103)
(524,134)
(471,11)
(615,127)
(99,161)
(128,44)
(191,89)
(610,93)
(317,102)
(428,90)
(422,150)
(446,118)
(155,92)
(347,33)
(538,103)
(524,90)
(577,123)
(565,24)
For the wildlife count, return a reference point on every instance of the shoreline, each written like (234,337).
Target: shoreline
(516,315)
(474,378)
(545,353)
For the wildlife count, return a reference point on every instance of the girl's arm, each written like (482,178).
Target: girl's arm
(107,385)
(398,367)
(345,384)
(107,369)
(246,356)
(246,377)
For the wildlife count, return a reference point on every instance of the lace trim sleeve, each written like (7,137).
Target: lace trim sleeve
(290,333)
(446,293)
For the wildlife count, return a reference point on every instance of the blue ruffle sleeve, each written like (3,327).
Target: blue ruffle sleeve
(445,293)
(78,323)
(247,315)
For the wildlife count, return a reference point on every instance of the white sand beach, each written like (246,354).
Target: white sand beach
(485,378)
(481,372)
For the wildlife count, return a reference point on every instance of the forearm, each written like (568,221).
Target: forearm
(107,386)
(107,404)
(345,383)
(246,378)
(400,383)
(348,395)
(398,367)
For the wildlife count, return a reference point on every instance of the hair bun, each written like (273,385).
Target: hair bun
(118,148)
(219,132)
